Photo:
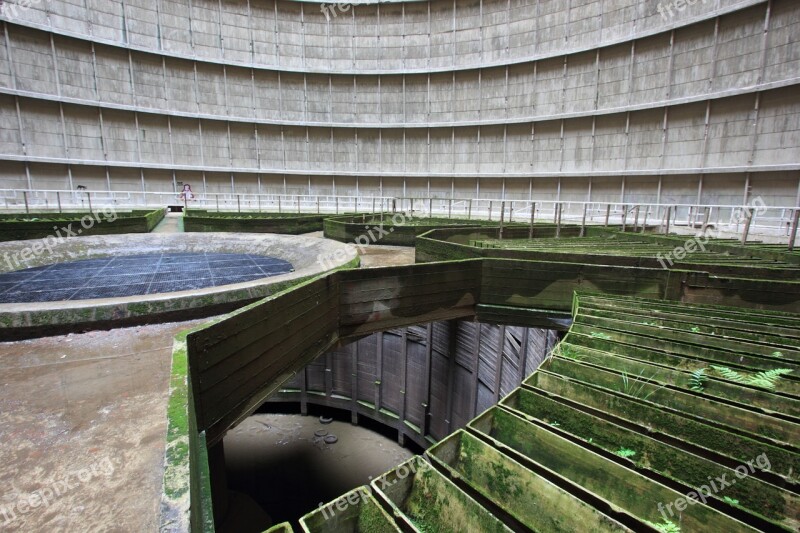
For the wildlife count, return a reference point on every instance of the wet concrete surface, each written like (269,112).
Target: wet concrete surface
(279,462)
(379,256)
(172,223)
(82,429)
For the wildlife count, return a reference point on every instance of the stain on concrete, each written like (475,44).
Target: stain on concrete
(84,416)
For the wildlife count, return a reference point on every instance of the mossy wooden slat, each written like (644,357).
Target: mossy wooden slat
(529,498)
(523,316)
(697,324)
(621,486)
(729,354)
(402,305)
(138,221)
(648,388)
(739,314)
(247,325)
(424,499)
(687,336)
(371,290)
(739,323)
(653,420)
(761,499)
(289,224)
(388,319)
(318,321)
(765,294)
(686,362)
(220,415)
(274,325)
(355,512)
(285,527)
(744,395)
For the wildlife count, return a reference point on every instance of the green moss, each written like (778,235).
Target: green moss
(371,519)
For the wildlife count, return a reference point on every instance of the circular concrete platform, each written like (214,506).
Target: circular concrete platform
(262,266)
(135,275)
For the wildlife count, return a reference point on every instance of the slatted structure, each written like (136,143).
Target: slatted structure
(650,415)
(236,364)
(424,381)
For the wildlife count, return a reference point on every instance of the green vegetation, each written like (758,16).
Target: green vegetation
(767,379)
(697,381)
(103,222)
(625,452)
(636,387)
(225,222)
(667,526)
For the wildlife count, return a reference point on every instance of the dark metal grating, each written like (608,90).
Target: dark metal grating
(116,277)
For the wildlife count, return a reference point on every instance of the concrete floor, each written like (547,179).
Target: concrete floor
(83,417)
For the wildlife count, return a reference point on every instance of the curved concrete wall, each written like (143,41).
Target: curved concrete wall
(666,68)
(288,35)
(595,100)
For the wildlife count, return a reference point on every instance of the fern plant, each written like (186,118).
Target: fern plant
(732,501)
(766,379)
(625,452)
(667,526)
(697,381)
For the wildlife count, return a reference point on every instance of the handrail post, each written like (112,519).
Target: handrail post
(624,217)
(793,234)
(583,220)
(706,218)
(559,207)
(747,222)
(502,218)
(533,216)
(644,223)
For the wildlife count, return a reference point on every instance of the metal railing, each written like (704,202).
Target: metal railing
(743,221)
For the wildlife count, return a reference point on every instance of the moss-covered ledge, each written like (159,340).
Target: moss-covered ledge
(103,221)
